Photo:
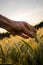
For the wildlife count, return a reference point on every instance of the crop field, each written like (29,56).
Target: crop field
(18,51)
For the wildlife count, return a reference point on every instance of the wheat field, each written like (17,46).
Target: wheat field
(18,51)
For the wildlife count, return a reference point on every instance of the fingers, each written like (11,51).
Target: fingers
(28,32)
(30,27)
(23,35)
(34,29)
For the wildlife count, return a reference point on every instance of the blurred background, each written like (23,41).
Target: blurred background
(30,11)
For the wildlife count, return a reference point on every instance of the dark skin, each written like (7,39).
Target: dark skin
(20,28)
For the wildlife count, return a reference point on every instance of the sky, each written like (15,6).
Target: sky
(30,11)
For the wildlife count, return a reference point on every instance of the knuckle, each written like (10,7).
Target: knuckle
(24,22)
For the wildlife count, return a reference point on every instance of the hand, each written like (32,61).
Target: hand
(20,28)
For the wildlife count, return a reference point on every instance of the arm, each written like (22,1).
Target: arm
(5,23)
